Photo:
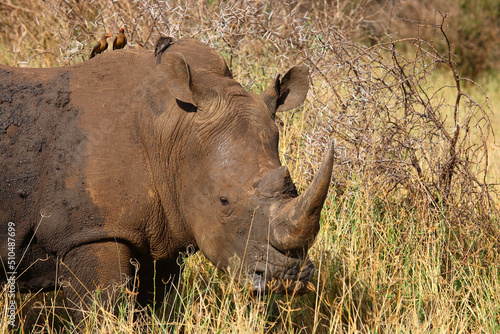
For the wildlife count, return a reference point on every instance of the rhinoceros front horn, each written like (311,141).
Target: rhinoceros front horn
(296,223)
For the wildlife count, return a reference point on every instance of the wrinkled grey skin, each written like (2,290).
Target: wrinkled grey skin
(132,162)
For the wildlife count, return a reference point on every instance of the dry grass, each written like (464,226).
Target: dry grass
(409,239)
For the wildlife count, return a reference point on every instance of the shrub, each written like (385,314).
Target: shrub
(473,28)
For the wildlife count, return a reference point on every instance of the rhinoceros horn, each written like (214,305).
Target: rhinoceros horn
(296,223)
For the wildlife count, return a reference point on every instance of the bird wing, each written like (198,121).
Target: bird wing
(95,50)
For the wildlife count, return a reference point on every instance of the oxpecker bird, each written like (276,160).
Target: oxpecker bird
(120,40)
(101,46)
(161,45)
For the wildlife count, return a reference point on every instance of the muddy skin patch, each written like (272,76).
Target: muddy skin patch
(40,147)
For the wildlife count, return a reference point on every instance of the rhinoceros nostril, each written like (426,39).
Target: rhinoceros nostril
(259,273)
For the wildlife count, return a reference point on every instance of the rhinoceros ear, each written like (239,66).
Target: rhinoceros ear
(289,91)
(179,81)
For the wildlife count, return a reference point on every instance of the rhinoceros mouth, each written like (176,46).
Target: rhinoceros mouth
(292,279)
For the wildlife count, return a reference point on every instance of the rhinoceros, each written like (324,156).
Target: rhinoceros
(119,160)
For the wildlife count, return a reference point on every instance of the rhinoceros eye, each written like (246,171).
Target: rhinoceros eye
(224,201)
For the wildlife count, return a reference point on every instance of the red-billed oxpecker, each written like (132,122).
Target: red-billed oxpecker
(120,40)
(101,46)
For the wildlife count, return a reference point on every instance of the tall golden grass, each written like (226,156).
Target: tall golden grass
(404,246)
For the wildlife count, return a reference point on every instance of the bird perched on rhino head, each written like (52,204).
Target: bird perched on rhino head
(101,46)
(120,40)
(161,45)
